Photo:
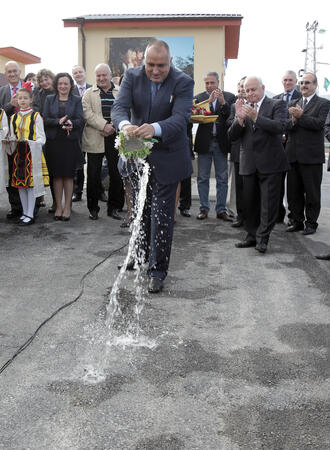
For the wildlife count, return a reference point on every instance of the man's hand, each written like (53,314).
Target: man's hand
(217,94)
(108,129)
(13,101)
(145,131)
(296,111)
(240,112)
(130,129)
(251,112)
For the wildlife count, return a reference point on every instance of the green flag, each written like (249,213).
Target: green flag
(326,84)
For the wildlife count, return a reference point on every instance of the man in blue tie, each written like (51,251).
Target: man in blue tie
(289,94)
(155,100)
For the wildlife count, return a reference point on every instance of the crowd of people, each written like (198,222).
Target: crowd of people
(51,124)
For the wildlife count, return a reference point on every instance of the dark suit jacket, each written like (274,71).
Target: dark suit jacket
(235,146)
(5,98)
(170,159)
(76,90)
(262,148)
(327,127)
(295,96)
(204,131)
(73,111)
(305,142)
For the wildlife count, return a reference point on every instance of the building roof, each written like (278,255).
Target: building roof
(98,17)
(19,55)
(231,22)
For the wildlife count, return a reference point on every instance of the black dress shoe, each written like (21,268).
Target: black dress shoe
(77,197)
(57,218)
(93,214)
(103,197)
(325,257)
(249,241)
(114,214)
(261,246)
(296,226)
(65,218)
(155,285)
(309,230)
(130,265)
(237,223)
(224,216)
(185,212)
(13,214)
(202,215)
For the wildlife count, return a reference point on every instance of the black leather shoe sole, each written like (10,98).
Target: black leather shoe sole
(246,244)
(185,213)
(308,231)
(295,227)
(325,257)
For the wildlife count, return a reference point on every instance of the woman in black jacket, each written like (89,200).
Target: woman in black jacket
(63,120)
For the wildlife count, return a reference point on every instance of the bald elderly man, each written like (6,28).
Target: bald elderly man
(8,101)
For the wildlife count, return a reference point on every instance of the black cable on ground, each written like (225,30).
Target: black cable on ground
(66,305)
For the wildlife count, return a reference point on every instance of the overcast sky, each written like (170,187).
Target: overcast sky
(272,33)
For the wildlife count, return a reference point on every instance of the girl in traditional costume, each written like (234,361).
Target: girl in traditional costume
(27,131)
(3,154)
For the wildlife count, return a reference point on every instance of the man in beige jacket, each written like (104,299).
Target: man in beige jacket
(98,140)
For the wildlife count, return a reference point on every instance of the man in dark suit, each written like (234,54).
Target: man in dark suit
(235,147)
(305,151)
(211,144)
(79,76)
(155,100)
(326,256)
(290,93)
(262,161)
(8,101)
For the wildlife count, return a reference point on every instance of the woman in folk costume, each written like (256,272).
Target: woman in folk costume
(3,154)
(27,129)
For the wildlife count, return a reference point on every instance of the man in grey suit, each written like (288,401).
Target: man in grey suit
(155,100)
(8,101)
(262,161)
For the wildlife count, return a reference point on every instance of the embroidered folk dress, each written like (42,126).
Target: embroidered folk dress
(3,154)
(29,165)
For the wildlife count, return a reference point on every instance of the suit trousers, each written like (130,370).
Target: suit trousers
(304,193)
(239,192)
(261,193)
(185,194)
(116,196)
(158,223)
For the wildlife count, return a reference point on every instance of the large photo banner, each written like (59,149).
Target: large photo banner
(128,52)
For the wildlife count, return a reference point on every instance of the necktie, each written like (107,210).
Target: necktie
(287,98)
(154,90)
(304,103)
(82,91)
(14,90)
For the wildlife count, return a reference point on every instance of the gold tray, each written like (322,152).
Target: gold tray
(203,119)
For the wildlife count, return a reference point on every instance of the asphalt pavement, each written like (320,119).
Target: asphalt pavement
(233,354)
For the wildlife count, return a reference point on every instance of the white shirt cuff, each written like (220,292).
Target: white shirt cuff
(122,123)
(157,128)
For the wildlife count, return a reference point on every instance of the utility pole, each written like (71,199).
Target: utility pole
(310,50)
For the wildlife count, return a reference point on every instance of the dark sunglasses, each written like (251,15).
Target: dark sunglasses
(305,82)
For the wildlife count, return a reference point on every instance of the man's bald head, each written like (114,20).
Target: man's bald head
(12,72)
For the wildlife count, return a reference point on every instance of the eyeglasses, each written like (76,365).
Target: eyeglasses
(305,82)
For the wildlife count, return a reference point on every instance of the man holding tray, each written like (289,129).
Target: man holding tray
(155,101)
(212,144)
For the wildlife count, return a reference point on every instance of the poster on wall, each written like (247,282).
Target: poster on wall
(128,52)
